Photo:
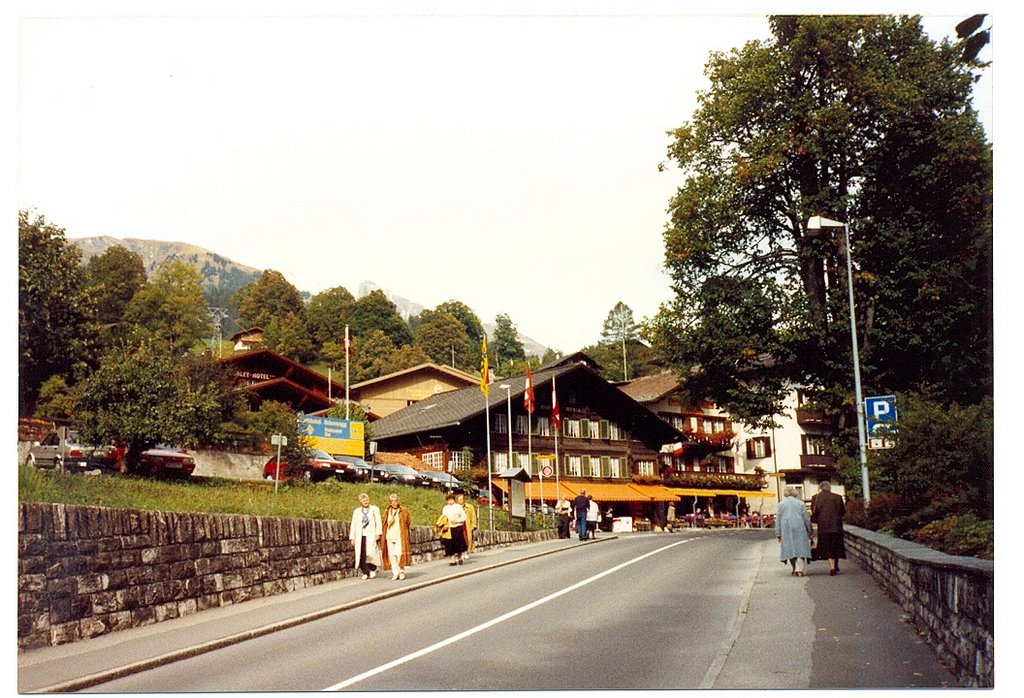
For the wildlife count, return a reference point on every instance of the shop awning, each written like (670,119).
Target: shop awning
(602,492)
(697,492)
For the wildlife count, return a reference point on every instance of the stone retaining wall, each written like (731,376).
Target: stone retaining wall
(86,571)
(950,599)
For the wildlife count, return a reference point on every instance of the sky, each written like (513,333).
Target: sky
(504,155)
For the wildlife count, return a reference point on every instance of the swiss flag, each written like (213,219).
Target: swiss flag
(528,401)
(556,417)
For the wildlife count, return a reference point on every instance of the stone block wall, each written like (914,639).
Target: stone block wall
(949,598)
(86,571)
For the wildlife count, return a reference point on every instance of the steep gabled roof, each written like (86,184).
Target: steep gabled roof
(458,406)
(455,374)
(648,389)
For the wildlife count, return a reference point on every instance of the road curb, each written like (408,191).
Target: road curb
(91,680)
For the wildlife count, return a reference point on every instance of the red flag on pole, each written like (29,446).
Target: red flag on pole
(556,417)
(528,401)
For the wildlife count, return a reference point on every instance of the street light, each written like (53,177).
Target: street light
(508,390)
(817,223)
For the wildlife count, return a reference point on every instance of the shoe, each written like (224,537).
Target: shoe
(366,576)
(460,560)
(452,564)
(832,573)
(373,574)
(799,574)
(401,575)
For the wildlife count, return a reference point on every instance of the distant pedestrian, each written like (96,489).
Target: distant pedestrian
(593,516)
(455,518)
(580,506)
(365,532)
(460,499)
(396,552)
(827,510)
(562,514)
(793,531)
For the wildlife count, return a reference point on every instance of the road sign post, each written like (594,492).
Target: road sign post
(881,420)
(279,440)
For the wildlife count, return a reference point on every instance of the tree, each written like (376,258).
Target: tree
(407,356)
(144,396)
(857,118)
(271,296)
(443,338)
(619,330)
(373,356)
(172,307)
(474,328)
(506,344)
(327,314)
(55,318)
(375,312)
(288,335)
(276,418)
(112,280)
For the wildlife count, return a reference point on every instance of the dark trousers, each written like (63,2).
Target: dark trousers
(563,525)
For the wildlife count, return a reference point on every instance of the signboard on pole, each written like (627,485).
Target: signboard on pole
(880,414)
(336,436)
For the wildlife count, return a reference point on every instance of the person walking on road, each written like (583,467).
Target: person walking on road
(365,532)
(580,506)
(460,499)
(793,531)
(396,553)
(827,510)
(455,518)
(562,511)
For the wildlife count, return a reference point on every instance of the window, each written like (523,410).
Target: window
(499,461)
(595,467)
(500,423)
(460,460)
(573,466)
(572,428)
(434,459)
(645,467)
(814,445)
(614,467)
(595,429)
(613,431)
(522,424)
(543,426)
(522,460)
(759,447)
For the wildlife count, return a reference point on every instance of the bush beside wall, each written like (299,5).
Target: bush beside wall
(86,571)
(949,598)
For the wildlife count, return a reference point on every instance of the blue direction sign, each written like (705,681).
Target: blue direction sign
(333,435)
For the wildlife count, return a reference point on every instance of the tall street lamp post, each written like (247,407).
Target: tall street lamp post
(817,223)
(508,390)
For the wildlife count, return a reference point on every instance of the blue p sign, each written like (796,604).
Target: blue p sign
(881,411)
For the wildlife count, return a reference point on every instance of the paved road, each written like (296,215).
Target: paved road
(692,610)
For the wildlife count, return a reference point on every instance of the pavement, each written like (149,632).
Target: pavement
(810,632)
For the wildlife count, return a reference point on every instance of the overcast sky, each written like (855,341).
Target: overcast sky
(502,155)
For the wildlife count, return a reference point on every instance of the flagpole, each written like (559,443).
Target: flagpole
(556,422)
(346,371)
(485,379)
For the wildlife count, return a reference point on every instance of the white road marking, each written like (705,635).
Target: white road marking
(494,621)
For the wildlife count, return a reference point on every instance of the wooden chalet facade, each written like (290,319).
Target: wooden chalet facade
(608,443)
(266,375)
(395,391)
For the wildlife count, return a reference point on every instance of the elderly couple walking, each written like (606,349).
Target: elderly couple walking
(380,541)
(793,529)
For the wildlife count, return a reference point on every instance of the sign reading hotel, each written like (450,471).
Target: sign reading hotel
(336,436)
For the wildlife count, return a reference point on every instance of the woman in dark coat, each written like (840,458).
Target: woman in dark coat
(827,510)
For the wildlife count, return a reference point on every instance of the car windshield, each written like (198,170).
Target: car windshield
(320,455)
(398,469)
(353,460)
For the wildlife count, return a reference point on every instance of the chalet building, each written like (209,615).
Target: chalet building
(388,394)
(720,450)
(266,375)
(244,340)
(608,443)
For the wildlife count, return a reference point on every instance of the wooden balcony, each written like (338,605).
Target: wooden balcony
(809,418)
(817,462)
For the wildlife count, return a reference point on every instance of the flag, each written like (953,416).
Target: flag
(556,417)
(485,369)
(528,395)
(348,343)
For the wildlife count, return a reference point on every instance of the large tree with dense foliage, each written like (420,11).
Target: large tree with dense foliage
(443,338)
(327,314)
(474,328)
(112,280)
(55,317)
(375,311)
(506,345)
(171,307)
(856,118)
(272,295)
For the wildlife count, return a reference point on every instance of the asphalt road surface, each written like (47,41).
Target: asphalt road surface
(707,610)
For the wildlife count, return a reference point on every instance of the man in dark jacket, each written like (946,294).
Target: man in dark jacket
(580,505)
(827,510)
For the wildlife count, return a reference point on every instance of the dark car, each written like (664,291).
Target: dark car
(320,466)
(442,481)
(166,461)
(70,455)
(396,474)
(482,496)
(358,469)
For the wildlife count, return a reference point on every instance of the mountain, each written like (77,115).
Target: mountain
(222,277)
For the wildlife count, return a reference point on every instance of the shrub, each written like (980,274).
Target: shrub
(960,534)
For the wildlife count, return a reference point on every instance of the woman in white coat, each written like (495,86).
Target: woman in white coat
(365,533)
(793,530)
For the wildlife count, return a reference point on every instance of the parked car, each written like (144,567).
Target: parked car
(320,466)
(164,460)
(395,473)
(72,455)
(358,469)
(442,481)
(482,496)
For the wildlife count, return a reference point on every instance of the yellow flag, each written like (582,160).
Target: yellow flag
(485,370)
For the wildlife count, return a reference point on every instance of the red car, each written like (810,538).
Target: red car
(320,466)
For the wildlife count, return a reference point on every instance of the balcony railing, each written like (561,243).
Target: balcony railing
(817,461)
(812,418)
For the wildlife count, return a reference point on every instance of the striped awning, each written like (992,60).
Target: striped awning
(697,492)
